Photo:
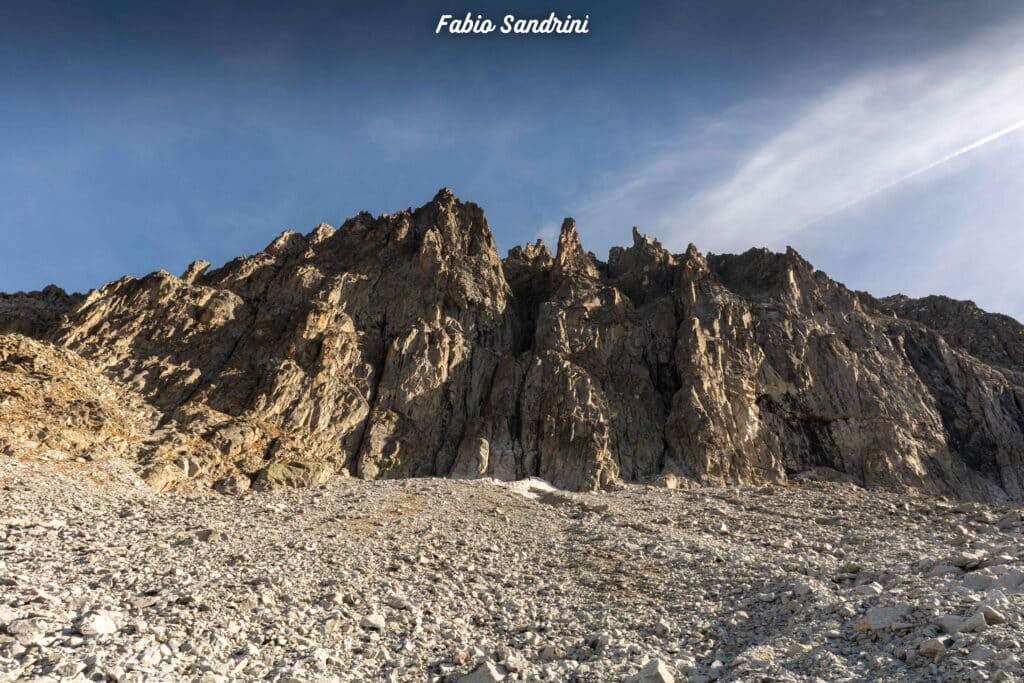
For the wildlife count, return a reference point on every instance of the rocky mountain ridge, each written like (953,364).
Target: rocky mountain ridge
(403,345)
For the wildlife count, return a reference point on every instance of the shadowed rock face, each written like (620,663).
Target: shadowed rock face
(33,313)
(403,345)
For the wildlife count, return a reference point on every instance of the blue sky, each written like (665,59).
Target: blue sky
(878,138)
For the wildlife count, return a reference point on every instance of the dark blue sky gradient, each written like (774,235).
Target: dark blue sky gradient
(138,136)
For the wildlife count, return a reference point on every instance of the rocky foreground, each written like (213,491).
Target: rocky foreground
(102,578)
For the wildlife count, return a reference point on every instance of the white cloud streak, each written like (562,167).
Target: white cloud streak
(966,149)
(864,137)
(844,147)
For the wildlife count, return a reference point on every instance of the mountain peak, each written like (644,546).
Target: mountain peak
(445,196)
(403,346)
(571,258)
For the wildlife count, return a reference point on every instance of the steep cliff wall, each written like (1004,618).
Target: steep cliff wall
(403,345)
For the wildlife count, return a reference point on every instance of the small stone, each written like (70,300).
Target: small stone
(550,654)
(96,624)
(885,618)
(868,590)
(654,671)
(486,672)
(993,617)
(1011,519)
(515,663)
(208,535)
(970,559)
(151,657)
(233,484)
(69,669)
(979,581)
(598,642)
(395,601)
(980,654)
(975,623)
(1011,580)
(373,622)
(28,631)
(802,589)
(933,646)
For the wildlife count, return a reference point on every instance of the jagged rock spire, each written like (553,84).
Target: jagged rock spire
(445,196)
(402,346)
(195,270)
(571,258)
(320,233)
(533,254)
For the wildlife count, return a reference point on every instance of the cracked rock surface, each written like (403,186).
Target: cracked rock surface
(442,580)
(402,345)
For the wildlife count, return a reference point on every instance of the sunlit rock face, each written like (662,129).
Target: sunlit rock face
(403,345)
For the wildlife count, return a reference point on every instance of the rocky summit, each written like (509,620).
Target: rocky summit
(403,346)
(674,467)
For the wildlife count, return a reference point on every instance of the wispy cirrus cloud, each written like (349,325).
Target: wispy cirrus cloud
(852,142)
(790,171)
(864,137)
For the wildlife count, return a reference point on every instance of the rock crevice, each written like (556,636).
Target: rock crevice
(403,345)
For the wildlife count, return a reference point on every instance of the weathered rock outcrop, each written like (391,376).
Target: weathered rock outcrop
(994,338)
(403,345)
(33,313)
(55,405)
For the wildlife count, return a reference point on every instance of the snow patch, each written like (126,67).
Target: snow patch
(532,488)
